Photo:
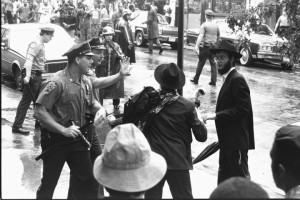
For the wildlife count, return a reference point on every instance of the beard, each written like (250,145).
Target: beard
(225,69)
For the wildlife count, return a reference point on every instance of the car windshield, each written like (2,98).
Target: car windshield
(60,43)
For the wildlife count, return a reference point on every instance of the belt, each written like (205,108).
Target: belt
(36,73)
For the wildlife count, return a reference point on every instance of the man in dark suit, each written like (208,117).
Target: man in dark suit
(233,117)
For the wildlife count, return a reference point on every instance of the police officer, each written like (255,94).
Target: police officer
(207,39)
(61,108)
(34,65)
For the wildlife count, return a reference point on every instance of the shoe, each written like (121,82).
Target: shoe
(193,81)
(150,52)
(20,131)
(160,50)
(211,83)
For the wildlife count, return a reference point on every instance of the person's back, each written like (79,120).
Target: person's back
(210,31)
(23,12)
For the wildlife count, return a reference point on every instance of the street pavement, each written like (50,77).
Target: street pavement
(275,99)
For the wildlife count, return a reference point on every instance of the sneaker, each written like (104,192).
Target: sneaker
(211,83)
(193,81)
(20,131)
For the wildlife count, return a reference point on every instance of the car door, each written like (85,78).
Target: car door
(5,55)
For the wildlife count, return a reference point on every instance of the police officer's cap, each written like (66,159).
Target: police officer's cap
(286,146)
(47,29)
(209,12)
(96,44)
(82,49)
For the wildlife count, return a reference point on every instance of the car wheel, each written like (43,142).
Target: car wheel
(246,58)
(286,66)
(174,45)
(18,80)
(139,38)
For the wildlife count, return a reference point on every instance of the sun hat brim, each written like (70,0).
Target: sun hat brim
(134,180)
(158,75)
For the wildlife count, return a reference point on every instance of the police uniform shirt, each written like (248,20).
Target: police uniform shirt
(37,50)
(210,32)
(66,99)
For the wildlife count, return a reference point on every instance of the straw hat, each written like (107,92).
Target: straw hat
(127,163)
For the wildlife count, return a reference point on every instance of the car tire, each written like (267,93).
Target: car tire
(139,38)
(18,80)
(246,58)
(174,45)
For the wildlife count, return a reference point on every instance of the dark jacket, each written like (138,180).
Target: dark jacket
(234,122)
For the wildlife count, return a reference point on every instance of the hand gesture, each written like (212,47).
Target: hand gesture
(26,79)
(72,131)
(208,117)
(125,68)
(196,49)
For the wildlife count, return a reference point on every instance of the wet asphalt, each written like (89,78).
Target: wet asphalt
(275,95)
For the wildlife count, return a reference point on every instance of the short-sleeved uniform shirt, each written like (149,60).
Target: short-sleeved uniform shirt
(170,133)
(66,99)
(210,32)
(37,50)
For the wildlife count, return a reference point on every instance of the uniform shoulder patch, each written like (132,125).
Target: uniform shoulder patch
(50,86)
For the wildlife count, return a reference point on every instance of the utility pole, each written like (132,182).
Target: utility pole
(180,38)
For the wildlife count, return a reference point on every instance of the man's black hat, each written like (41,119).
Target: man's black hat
(82,49)
(286,146)
(226,45)
(169,76)
(96,44)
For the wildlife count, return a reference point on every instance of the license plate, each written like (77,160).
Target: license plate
(172,39)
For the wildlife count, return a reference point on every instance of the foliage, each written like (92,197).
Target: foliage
(242,21)
(158,3)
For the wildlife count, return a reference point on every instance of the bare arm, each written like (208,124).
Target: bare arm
(28,67)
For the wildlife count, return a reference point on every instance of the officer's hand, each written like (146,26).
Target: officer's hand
(26,79)
(209,117)
(196,50)
(72,131)
(125,67)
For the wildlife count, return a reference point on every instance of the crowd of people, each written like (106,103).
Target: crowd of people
(136,162)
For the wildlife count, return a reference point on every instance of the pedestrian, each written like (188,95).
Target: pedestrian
(45,11)
(115,18)
(34,66)
(84,16)
(23,12)
(61,107)
(208,37)
(31,15)
(152,29)
(17,4)
(239,188)
(285,154)
(126,40)
(103,12)
(168,12)
(110,66)
(282,24)
(95,20)
(69,21)
(233,116)
(8,11)
(127,168)
(169,133)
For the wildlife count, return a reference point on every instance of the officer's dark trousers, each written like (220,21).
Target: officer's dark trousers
(233,163)
(34,85)
(203,56)
(179,182)
(95,151)
(156,41)
(79,163)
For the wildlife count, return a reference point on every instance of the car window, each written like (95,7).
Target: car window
(162,20)
(141,18)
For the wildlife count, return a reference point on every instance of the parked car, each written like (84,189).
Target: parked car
(167,33)
(262,44)
(15,39)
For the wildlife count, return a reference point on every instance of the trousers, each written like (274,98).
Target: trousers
(79,163)
(203,56)
(156,41)
(95,151)
(179,182)
(233,163)
(86,34)
(34,87)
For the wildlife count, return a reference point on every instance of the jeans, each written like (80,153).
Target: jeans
(27,98)
(233,163)
(179,182)
(204,54)
(156,41)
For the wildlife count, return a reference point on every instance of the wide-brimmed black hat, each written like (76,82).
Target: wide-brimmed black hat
(228,46)
(169,76)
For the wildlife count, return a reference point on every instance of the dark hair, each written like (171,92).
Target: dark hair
(131,7)
(120,193)
(45,32)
